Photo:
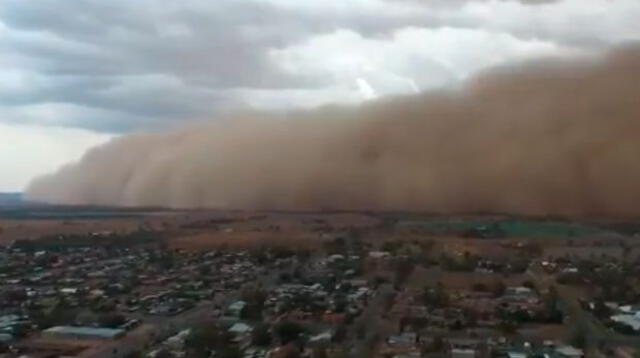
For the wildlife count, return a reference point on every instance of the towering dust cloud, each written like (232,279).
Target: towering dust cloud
(556,138)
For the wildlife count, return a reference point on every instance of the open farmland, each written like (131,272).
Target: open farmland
(510,228)
(33,223)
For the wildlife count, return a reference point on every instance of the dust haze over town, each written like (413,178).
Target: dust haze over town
(320,179)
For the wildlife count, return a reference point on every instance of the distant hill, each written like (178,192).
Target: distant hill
(10,199)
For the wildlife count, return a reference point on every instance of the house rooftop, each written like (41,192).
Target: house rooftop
(632,321)
(238,305)
(570,351)
(516,355)
(240,328)
(85,332)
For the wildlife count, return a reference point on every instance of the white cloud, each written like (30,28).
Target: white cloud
(265,99)
(563,21)
(410,57)
(29,151)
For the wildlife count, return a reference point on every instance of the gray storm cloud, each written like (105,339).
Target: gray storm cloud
(559,138)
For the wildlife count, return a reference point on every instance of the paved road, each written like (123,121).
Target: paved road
(595,330)
(372,320)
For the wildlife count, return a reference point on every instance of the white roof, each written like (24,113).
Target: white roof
(5,338)
(238,305)
(463,353)
(570,351)
(240,328)
(321,337)
(519,290)
(630,320)
(630,308)
(516,355)
(377,254)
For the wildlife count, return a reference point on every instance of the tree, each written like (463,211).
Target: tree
(260,255)
(85,318)
(340,303)
(552,306)
(339,242)
(579,335)
(284,277)
(479,286)
(59,314)
(260,336)
(435,297)
(391,246)
(340,334)
(361,331)
(319,352)
(111,320)
(164,353)
(379,280)
(528,284)
(520,316)
(292,353)
(255,299)
(229,351)
(288,331)
(207,337)
(403,323)
(204,270)
(370,343)
(427,246)
(498,288)
(600,310)
(404,268)
(281,252)
(303,255)
(472,317)
(437,345)
(507,327)
(534,249)
(165,260)
(388,299)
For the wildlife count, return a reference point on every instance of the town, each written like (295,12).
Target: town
(457,288)
(319,179)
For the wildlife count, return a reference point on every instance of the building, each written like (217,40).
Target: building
(379,255)
(5,338)
(321,339)
(628,320)
(406,339)
(69,332)
(177,341)
(629,309)
(235,309)
(463,353)
(570,352)
(516,355)
(520,294)
(240,329)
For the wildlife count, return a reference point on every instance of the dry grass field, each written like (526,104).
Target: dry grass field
(206,229)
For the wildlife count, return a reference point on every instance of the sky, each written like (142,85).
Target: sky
(75,74)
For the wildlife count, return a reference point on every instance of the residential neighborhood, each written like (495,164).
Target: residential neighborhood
(135,294)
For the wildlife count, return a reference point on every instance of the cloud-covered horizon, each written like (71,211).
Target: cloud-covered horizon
(122,66)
